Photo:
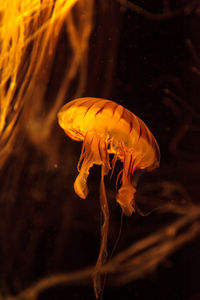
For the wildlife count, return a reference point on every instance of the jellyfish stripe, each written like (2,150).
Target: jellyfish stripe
(118,112)
(131,122)
(88,109)
(123,116)
(130,126)
(101,109)
(130,141)
(69,104)
(65,107)
(115,108)
(128,117)
(82,103)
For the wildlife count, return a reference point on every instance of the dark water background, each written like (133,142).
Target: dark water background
(148,66)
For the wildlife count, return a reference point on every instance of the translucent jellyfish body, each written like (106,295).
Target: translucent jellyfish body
(106,127)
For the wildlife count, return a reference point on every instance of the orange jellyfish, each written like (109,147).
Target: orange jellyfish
(106,127)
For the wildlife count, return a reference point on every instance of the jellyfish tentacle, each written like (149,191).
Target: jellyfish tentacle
(104,235)
(80,184)
(108,128)
(118,178)
(94,151)
(113,163)
(125,195)
(103,151)
(83,151)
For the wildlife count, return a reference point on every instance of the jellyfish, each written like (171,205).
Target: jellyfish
(105,128)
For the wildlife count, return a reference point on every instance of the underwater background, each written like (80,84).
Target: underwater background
(144,55)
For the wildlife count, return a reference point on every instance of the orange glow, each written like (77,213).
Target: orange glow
(29,35)
(108,128)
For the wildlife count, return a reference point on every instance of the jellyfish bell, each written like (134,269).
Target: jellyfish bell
(106,127)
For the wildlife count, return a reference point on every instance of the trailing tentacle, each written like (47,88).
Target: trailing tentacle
(125,195)
(104,235)
(94,151)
